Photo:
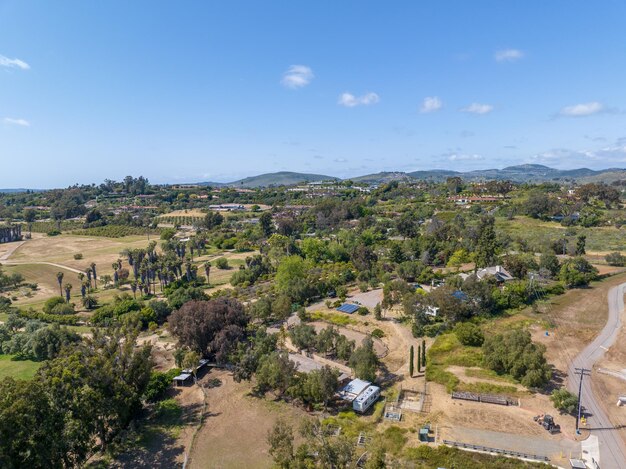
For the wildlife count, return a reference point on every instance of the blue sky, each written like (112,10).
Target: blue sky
(207,90)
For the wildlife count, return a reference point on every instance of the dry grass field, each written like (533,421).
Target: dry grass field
(234,434)
(61,250)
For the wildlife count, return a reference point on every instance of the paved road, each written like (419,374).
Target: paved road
(612,448)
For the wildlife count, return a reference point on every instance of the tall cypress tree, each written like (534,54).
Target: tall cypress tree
(419,360)
(424,353)
(411,362)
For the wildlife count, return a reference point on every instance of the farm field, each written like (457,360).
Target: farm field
(18,369)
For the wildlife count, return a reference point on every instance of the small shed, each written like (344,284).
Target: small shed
(423,435)
(182,379)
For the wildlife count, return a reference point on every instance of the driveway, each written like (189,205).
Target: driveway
(612,450)
(551,447)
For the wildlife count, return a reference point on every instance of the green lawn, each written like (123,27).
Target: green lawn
(18,369)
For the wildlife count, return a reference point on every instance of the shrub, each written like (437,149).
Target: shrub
(222,263)
(64,308)
(469,334)
(167,233)
(378,333)
(52,302)
(158,384)
(78,256)
(53,233)
(363,311)
(615,259)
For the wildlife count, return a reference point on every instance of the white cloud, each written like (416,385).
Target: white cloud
(13,63)
(604,157)
(350,100)
(583,109)
(477,108)
(465,157)
(340,160)
(431,104)
(508,55)
(20,122)
(297,76)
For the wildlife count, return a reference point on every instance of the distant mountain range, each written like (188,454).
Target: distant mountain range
(519,173)
(15,191)
(281,178)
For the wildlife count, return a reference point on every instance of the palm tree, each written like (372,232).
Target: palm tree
(133,287)
(207,271)
(83,289)
(90,302)
(60,280)
(81,277)
(116,276)
(93,270)
(68,289)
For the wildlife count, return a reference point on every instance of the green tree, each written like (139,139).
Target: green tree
(31,429)
(364,361)
(577,272)
(515,354)
(266,223)
(469,334)
(291,278)
(303,336)
(564,401)
(411,364)
(322,384)
(275,373)
(486,244)
(191,361)
(419,360)
(423,353)
(580,245)
(280,439)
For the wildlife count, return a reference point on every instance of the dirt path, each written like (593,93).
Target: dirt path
(612,451)
(11,248)
(60,266)
(460,372)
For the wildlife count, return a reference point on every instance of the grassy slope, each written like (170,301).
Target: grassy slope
(18,369)
(537,233)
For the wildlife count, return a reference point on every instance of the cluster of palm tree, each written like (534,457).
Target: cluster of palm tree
(150,268)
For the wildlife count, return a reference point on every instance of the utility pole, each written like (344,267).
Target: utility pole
(582,372)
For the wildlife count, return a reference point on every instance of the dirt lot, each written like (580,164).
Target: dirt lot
(235,429)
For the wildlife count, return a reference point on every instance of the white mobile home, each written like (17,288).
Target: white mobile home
(365,400)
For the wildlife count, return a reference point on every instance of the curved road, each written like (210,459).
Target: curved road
(612,448)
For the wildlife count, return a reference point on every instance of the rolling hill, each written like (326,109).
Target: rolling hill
(282,178)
